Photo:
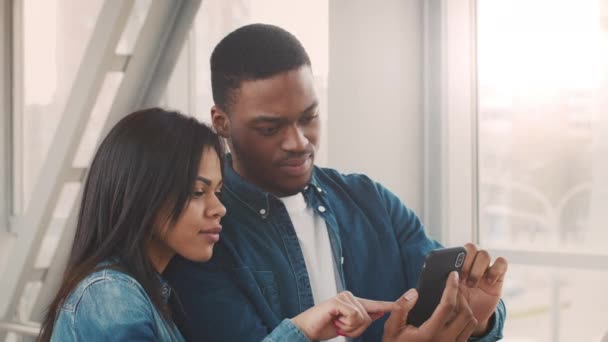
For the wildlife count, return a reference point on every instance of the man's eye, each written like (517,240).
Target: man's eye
(267,130)
(308,119)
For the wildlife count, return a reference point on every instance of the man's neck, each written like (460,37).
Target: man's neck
(241,171)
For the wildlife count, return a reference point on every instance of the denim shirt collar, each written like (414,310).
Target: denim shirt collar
(257,199)
(165,288)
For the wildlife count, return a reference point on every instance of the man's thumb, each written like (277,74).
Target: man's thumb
(398,318)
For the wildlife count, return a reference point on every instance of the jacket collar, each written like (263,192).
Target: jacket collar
(253,196)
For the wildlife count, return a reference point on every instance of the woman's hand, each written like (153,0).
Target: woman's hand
(344,315)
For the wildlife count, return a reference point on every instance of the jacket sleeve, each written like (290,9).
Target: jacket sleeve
(415,244)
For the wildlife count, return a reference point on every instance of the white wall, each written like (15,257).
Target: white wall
(375,119)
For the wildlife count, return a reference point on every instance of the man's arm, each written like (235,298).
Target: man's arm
(415,244)
(215,306)
(216,310)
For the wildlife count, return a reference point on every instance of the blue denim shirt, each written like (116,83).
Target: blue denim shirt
(109,305)
(257,276)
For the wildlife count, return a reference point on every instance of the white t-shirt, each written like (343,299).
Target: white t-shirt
(314,242)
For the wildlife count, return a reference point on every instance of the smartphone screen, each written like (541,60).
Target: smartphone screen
(435,271)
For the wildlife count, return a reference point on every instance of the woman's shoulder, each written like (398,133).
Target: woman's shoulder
(105,283)
(107,305)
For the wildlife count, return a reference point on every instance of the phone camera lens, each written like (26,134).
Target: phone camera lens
(459,260)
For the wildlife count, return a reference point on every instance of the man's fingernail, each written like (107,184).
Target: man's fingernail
(456,276)
(410,295)
(489,280)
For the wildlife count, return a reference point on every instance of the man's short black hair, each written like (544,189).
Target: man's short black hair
(252,52)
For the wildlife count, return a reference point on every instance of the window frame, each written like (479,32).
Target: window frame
(450,107)
(451,203)
(6,117)
(451,143)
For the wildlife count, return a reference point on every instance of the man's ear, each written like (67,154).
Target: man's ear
(220,122)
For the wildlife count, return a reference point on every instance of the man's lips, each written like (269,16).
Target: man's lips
(297,166)
(296,161)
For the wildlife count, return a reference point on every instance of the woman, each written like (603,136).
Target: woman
(151,192)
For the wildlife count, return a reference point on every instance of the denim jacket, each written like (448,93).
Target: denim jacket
(109,305)
(257,276)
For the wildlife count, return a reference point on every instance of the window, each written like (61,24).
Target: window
(524,131)
(542,144)
(54,35)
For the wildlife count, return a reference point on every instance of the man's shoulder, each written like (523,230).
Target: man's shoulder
(335,177)
(357,186)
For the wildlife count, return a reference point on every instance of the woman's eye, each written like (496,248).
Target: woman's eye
(198,193)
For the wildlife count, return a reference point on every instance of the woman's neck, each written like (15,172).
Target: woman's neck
(159,255)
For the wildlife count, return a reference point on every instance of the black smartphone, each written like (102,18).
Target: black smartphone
(435,271)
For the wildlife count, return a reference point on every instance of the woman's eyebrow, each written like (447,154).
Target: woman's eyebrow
(204,180)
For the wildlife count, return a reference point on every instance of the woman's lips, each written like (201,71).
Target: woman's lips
(211,234)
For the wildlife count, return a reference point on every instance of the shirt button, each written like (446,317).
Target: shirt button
(319,190)
(321,208)
(306,188)
(263,211)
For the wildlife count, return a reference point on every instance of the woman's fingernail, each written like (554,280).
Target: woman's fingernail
(410,295)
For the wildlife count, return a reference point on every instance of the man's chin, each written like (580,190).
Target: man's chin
(292,185)
(297,171)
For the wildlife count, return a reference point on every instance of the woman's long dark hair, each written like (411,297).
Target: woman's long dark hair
(147,164)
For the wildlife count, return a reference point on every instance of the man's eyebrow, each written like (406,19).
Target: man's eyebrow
(204,180)
(310,108)
(267,118)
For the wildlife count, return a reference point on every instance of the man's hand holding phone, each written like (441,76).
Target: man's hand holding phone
(481,284)
(451,321)
(466,305)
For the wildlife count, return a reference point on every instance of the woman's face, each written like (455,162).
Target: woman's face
(198,228)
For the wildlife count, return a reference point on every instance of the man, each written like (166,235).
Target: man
(296,234)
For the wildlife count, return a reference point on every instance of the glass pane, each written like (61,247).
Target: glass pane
(543,124)
(547,304)
(55,35)
(134,24)
(97,120)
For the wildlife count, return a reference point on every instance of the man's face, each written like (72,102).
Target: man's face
(273,130)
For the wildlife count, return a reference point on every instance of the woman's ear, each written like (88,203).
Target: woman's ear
(220,122)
